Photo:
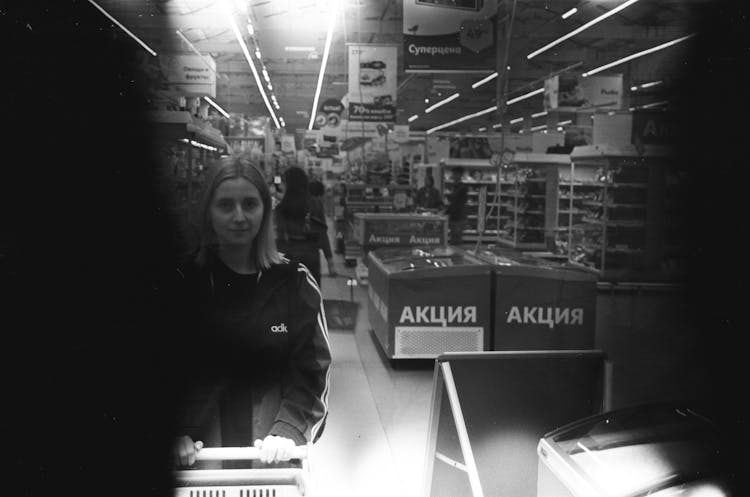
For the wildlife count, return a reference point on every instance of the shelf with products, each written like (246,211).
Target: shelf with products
(623,233)
(483,183)
(531,203)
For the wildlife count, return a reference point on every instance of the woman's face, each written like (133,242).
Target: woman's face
(236,212)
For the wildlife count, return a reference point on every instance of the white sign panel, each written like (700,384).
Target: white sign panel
(190,75)
(372,83)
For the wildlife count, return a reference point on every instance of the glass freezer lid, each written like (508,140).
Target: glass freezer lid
(628,452)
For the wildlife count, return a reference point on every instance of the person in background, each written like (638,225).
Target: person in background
(256,353)
(456,209)
(301,229)
(428,197)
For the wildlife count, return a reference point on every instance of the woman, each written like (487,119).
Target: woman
(301,230)
(260,354)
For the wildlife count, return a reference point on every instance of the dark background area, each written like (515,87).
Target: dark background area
(85,242)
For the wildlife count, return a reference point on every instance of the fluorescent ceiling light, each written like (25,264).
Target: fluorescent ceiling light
(483,128)
(636,55)
(498,125)
(249,59)
(516,120)
(148,49)
(258,54)
(464,118)
(216,106)
(299,49)
(539,114)
(485,80)
(645,85)
(563,123)
(413,118)
(524,97)
(199,144)
(654,104)
(570,12)
(326,52)
(442,102)
(586,26)
(250,28)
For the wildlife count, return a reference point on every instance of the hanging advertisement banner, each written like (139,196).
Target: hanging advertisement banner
(190,75)
(569,92)
(450,36)
(401,133)
(287,144)
(372,83)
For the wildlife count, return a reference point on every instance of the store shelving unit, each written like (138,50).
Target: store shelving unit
(483,204)
(617,224)
(529,201)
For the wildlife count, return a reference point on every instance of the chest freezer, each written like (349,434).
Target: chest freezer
(427,301)
(538,304)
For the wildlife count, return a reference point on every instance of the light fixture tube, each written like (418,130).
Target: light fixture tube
(216,106)
(645,85)
(485,80)
(654,104)
(464,118)
(249,59)
(496,126)
(570,12)
(250,28)
(539,114)
(525,96)
(516,120)
(482,129)
(638,54)
(258,54)
(563,123)
(413,118)
(442,102)
(141,43)
(586,26)
(326,52)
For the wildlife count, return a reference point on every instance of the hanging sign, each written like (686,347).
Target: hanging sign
(573,92)
(441,36)
(372,83)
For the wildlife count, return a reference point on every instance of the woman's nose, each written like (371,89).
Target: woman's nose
(238,214)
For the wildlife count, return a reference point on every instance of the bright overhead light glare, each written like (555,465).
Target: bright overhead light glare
(258,54)
(539,128)
(485,80)
(563,123)
(570,12)
(326,52)
(413,118)
(216,106)
(496,126)
(516,120)
(299,49)
(612,12)
(442,102)
(482,129)
(559,128)
(633,88)
(141,43)
(464,118)
(199,144)
(250,28)
(270,88)
(638,54)
(250,62)
(539,114)
(654,104)
(525,96)
(611,113)
(645,85)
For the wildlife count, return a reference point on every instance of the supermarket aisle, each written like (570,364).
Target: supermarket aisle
(376,432)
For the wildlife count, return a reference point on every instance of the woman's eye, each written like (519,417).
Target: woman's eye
(250,203)
(225,204)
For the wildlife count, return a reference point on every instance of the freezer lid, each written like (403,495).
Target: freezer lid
(516,264)
(636,450)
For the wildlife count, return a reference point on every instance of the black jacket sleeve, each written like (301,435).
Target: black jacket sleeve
(305,384)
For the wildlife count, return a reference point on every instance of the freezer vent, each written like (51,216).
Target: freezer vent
(424,341)
(235,491)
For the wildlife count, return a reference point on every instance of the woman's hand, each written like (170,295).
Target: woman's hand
(185,451)
(275,449)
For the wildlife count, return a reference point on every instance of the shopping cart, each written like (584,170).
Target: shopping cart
(250,482)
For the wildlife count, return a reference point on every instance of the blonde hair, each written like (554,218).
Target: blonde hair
(263,249)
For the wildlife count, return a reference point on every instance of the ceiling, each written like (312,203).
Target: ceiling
(280,24)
